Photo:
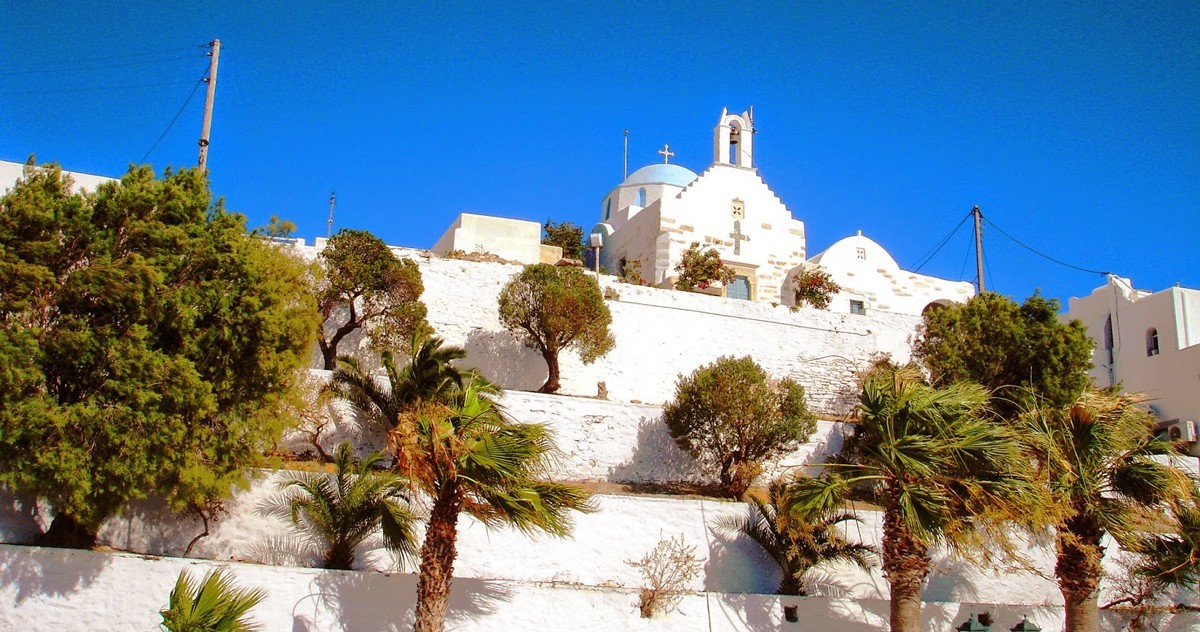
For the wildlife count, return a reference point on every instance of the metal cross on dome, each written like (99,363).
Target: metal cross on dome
(666,153)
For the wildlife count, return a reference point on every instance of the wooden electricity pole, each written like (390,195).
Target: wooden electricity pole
(978,246)
(214,56)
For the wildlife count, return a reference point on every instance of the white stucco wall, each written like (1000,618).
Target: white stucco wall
(52,589)
(511,239)
(1171,378)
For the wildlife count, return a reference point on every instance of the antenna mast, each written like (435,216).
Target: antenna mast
(332,200)
(626,155)
(214,57)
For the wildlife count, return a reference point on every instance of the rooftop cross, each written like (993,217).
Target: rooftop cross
(666,153)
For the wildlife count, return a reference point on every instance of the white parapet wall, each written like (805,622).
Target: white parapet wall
(56,589)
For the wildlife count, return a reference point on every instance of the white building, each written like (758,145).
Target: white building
(10,172)
(1148,342)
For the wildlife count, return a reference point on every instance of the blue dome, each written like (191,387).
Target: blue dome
(661,174)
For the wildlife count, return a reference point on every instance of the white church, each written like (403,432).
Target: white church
(659,210)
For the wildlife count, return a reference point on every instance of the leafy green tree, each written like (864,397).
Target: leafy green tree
(340,513)
(148,345)
(552,308)
(363,284)
(799,542)
(698,269)
(945,475)
(216,605)
(565,235)
(1097,458)
(730,416)
(1021,353)
(462,451)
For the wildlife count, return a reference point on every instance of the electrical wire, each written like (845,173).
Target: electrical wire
(929,257)
(175,118)
(96,89)
(102,58)
(966,255)
(1041,254)
(143,62)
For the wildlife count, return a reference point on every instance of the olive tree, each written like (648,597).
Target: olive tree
(363,284)
(552,308)
(730,416)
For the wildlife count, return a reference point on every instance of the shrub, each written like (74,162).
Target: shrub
(812,286)
(611,295)
(667,570)
(216,605)
(631,272)
(730,416)
(698,269)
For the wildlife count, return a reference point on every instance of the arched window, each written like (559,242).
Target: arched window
(1151,342)
(607,208)
(641,197)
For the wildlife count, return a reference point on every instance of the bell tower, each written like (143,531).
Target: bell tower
(733,138)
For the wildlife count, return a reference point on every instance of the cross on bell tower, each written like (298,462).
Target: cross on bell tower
(666,154)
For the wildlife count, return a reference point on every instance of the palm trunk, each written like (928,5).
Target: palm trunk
(437,561)
(906,565)
(552,384)
(1078,570)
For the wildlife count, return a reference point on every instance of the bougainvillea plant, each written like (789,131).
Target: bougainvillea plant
(813,286)
(698,269)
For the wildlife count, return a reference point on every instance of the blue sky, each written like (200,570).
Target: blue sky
(1074,126)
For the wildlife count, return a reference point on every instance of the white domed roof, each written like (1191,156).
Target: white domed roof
(855,251)
(674,175)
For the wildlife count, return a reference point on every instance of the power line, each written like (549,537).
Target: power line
(96,88)
(175,118)
(143,62)
(102,58)
(929,257)
(1041,254)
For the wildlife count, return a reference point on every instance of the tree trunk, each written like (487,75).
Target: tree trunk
(437,561)
(339,557)
(552,384)
(905,564)
(1078,570)
(66,532)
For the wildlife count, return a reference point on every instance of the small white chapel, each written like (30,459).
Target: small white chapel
(659,210)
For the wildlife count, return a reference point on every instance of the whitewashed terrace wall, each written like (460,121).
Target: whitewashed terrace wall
(659,335)
(599,440)
(622,528)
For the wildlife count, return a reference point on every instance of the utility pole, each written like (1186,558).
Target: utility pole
(214,57)
(332,199)
(978,247)
(626,155)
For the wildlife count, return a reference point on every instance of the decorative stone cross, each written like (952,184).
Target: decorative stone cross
(666,153)
(738,237)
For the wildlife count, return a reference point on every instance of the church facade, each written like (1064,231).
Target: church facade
(656,213)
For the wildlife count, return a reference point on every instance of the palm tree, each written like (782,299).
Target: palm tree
(213,606)
(945,474)
(1173,558)
(1096,457)
(428,376)
(797,542)
(456,445)
(339,513)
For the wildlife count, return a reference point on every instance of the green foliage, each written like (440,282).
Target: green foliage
(565,235)
(1172,558)
(730,416)
(631,272)
(1021,353)
(216,605)
(364,284)
(277,228)
(340,513)
(813,286)
(148,344)
(799,543)
(552,308)
(946,473)
(698,269)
